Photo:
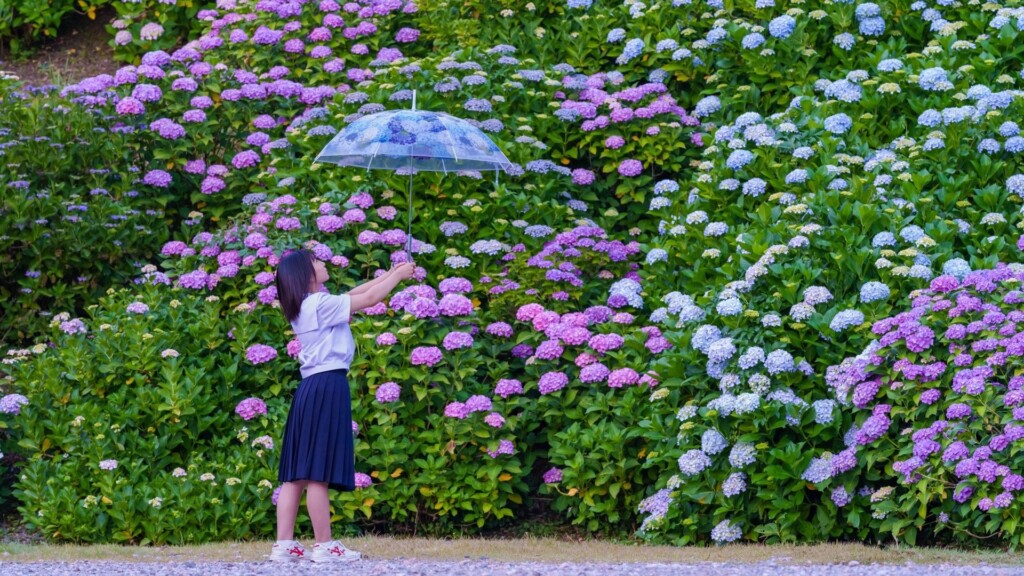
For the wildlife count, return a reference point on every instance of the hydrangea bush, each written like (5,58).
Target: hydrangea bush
(937,405)
(641,322)
(66,232)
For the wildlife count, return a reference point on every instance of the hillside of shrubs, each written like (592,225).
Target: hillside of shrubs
(754,275)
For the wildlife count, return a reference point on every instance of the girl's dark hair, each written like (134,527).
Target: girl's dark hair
(295,273)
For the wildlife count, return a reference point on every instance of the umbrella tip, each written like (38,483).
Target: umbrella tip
(414,99)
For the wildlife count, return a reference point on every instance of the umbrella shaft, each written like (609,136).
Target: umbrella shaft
(408,247)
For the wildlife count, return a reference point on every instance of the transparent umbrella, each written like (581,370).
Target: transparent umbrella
(410,141)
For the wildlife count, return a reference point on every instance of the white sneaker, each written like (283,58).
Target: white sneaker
(333,551)
(288,551)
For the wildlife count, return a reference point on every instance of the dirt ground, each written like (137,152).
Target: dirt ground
(80,50)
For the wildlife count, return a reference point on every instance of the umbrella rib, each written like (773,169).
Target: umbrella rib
(448,132)
(372,156)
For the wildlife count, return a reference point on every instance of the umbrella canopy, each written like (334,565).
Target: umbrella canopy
(412,141)
(420,140)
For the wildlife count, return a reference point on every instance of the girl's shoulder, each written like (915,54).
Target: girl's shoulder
(308,319)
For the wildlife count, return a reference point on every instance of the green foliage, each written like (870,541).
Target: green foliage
(66,233)
(24,23)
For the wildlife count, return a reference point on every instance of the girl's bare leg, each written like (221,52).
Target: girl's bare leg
(288,507)
(319,506)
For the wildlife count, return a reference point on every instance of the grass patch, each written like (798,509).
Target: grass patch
(521,549)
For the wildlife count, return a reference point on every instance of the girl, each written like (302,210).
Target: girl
(318,451)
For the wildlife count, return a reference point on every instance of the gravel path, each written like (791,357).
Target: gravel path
(408,567)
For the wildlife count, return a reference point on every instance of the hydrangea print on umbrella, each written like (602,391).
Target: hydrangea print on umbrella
(425,140)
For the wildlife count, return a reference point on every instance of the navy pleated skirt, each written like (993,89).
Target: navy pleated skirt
(318,444)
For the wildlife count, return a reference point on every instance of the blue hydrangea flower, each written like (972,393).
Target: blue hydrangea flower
(747,403)
(871,27)
(754,187)
(659,202)
(1015,184)
(666,45)
(782,27)
(958,114)
(721,350)
(693,462)
(838,123)
(584,4)
(747,119)
(724,531)
(846,319)
(912,233)
(742,454)
(933,79)
(957,267)
(738,159)
(707,106)
(681,53)
(798,176)
(666,187)
(867,10)
(686,412)
(815,295)
(779,361)
(989,146)
(734,484)
(920,271)
(616,35)
(890,65)
(712,442)
(838,184)
(634,47)
(751,357)
(803,152)
(656,255)
(844,91)
(845,41)
(660,315)
(729,307)
(752,40)
(930,118)
(715,35)
(704,337)
(1007,129)
(873,292)
(823,411)
(817,471)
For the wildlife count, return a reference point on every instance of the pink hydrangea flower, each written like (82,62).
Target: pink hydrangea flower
(631,168)
(388,392)
(552,382)
(456,410)
(553,476)
(260,353)
(251,408)
(426,356)
(508,387)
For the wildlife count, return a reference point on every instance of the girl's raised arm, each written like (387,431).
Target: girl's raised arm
(369,284)
(380,291)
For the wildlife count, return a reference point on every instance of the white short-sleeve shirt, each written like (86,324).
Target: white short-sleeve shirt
(322,328)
